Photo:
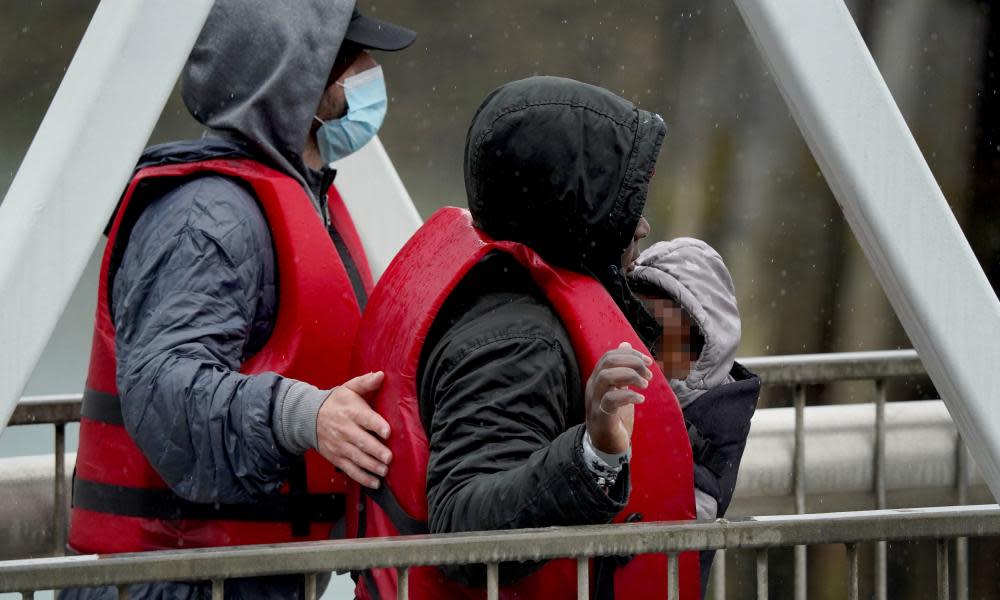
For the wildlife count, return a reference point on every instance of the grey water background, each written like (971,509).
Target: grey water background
(734,169)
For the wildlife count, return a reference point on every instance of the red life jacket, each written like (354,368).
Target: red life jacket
(120,503)
(394,327)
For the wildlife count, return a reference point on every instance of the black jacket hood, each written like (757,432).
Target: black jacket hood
(564,168)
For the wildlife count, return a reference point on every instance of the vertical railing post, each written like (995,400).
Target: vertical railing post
(852,571)
(762,574)
(881,549)
(719,575)
(673,578)
(942,569)
(799,466)
(218,589)
(402,583)
(962,544)
(493,581)
(310,591)
(583,578)
(59,492)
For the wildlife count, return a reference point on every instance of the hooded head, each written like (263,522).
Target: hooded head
(259,69)
(564,168)
(691,273)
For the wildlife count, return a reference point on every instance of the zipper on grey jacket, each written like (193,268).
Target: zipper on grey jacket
(326,180)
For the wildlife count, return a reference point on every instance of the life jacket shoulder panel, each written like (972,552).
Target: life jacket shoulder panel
(120,503)
(393,330)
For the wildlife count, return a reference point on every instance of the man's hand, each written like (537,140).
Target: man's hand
(610,402)
(345,428)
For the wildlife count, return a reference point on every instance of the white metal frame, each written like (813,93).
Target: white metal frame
(378,202)
(73,174)
(892,203)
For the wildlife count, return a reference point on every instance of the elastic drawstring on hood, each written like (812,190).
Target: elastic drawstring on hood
(564,168)
(259,69)
(692,274)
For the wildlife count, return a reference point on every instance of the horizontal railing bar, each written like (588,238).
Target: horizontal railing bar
(774,370)
(37,410)
(496,547)
(840,442)
(830,367)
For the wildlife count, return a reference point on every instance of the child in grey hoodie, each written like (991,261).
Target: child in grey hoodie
(686,286)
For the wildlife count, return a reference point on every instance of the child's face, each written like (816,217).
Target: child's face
(674,355)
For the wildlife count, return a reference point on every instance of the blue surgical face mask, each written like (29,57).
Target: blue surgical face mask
(366,104)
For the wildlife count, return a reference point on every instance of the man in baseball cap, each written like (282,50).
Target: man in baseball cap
(216,414)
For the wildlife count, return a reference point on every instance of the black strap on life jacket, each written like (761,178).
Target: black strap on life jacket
(401,520)
(102,407)
(163,504)
(298,507)
(353,273)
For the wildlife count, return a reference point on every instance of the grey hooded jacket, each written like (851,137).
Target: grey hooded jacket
(692,273)
(194,293)
(719,395)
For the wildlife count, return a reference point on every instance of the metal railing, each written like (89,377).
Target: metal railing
(801,371)
(797,372)
(57,411)
(493,548)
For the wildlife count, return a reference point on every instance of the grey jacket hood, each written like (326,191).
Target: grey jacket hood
(692,273)
(259,69)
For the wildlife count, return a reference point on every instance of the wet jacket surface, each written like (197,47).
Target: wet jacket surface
(193,298)
(555,165)
(194,293)
(502,402)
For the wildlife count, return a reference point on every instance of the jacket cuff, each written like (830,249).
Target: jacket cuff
(601,505)
(294,415)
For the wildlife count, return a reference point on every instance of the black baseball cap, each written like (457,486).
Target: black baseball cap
(375,34)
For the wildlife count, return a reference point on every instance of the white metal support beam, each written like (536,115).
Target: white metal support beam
(378,202)
(893,205)
(78,164)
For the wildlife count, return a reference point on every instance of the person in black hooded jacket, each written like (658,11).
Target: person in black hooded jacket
(516,438)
